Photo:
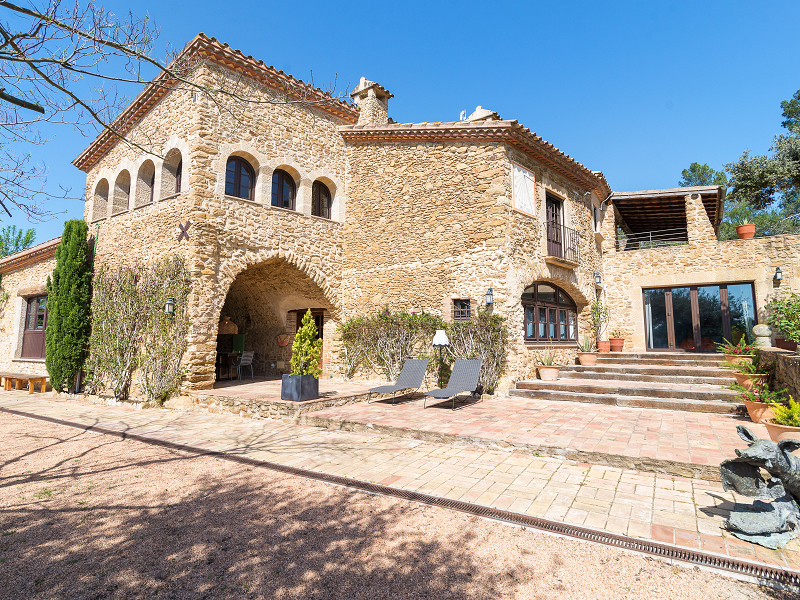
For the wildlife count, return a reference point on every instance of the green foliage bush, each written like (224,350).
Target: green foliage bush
(787,415)
(383,341)
(784,315)
(307,348)
(68,300)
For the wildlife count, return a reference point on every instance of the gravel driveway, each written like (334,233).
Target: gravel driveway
(89,516)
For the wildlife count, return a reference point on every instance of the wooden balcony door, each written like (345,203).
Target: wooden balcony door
(555,237)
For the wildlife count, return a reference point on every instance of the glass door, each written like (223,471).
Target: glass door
(695,318)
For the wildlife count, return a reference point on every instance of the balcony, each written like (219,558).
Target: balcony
(662,238)
(563,245)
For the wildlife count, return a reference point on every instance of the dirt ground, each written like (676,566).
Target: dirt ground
(89,516)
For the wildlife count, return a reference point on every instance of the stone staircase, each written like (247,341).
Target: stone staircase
(672,381)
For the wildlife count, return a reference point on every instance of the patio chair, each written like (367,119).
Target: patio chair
(245,360)
(410,378)
(464,378)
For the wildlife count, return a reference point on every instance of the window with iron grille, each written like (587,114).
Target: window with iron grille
(461,310)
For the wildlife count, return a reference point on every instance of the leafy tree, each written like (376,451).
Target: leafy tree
(772,182)
(68,296)
(698,174)
(13,240)
(307,348)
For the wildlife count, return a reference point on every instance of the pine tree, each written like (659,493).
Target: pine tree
(307,348)
(68,297)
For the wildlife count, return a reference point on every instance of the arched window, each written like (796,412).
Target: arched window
(240,180)
(320,200)
(122,192)
(550,314)
(146,183)
(283,190)
(172,173)
(100,204)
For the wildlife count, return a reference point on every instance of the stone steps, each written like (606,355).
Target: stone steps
(633,401)
(664,380)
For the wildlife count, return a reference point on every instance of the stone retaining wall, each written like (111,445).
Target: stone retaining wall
(787,370)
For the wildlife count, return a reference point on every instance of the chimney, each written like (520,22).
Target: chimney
(372,101)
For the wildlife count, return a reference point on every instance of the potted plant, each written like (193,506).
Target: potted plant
(599,316)
(749,375)
(303,382)
(616,340)
(784,316)
(548,369)
(738,353)
(759,401)
(586,353)
(786,424)
(745,230)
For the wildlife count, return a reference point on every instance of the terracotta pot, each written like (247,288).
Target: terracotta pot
(746,232)
(779,433)
(748,380)
(587,359)
(786,344)
(759,411)
(604,346)
(548,373)
(739,359)
(617,344)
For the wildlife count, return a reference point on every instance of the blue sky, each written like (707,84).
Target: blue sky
(636,89)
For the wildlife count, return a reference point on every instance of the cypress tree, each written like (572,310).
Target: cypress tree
(68,297)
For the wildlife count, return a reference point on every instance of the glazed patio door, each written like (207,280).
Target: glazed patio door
(695,318)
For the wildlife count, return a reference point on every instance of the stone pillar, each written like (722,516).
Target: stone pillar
(372,101)
(698,225)
(763,335)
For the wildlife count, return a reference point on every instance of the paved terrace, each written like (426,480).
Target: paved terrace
(668,441)
(678,510)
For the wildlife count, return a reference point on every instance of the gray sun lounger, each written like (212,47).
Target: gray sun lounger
(410,378)
(464,378)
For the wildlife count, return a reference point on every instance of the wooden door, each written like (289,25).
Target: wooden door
(555,242)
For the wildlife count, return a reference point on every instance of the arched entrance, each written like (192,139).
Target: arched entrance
(265,304)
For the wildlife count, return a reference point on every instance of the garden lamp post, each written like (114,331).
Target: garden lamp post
(440,341)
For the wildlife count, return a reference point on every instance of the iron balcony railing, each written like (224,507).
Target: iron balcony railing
(563,242)
(652,239)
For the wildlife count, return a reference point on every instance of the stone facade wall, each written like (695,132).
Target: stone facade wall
(432,222)
(704,260)
(787,370)
(19,285)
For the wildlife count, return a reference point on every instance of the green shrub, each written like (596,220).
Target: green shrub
(787,415)
(485,337)
(68,304)
(307,348)
(784,315)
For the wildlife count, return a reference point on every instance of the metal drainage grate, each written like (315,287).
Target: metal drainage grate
(765,573)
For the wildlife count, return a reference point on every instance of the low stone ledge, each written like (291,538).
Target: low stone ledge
(282,410)
(787,369)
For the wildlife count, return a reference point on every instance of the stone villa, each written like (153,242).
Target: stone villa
(299,201)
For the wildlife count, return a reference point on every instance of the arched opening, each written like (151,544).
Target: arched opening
(172,173)
(100,201)
(550,314)
(240,179)
(145,183)
(321,200)
(284,189)
(122,192)
(261,314)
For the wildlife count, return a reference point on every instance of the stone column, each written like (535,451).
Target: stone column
(697,223)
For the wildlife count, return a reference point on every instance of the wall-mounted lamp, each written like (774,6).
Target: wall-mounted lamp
(778,274)
(598,280)
(169,307)
(489,297)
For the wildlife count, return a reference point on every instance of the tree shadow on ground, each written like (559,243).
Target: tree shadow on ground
(244,533)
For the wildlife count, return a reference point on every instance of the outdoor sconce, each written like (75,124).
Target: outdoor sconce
(598,280)
(169,307)
(778,274)
(440,340)
(489,297)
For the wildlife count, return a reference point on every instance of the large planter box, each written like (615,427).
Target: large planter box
(299,387)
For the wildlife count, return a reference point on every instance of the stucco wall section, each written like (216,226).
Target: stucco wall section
(21,284)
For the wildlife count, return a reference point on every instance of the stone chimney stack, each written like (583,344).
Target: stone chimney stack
(372,100)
